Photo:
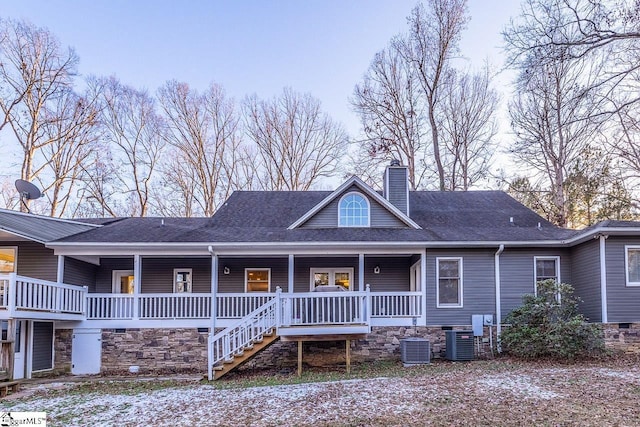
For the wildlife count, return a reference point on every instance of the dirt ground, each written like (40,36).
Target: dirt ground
(495,393)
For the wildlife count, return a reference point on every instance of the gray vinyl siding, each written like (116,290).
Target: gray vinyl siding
(157,274)
(80,273)
(42,346)
(104,273)
(478,287)
(394,274)
(397,191)
(234,281)
(34,260)
(380,217)
(517,274)
(303,266)
(623,302)
(585,274)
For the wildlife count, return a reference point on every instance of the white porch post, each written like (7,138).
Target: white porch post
(137,285)
(423,284)
(60,273)
(291,273)
(361,272)
(214,291)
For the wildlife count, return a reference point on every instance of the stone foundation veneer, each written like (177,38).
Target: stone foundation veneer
(185,350)
(622,337)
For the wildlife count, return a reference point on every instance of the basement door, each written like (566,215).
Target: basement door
(42,345)
(86,351)
(20,350)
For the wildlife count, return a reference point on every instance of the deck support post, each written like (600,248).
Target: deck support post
(11,339)
(299,358)
(348,351)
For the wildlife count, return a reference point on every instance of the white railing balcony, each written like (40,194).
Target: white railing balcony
(326,308)
(28,297)
(238,305)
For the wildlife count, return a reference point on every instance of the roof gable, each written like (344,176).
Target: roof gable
(349,185)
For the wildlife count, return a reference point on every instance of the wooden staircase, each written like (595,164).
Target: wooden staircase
(238,343)
(244,355)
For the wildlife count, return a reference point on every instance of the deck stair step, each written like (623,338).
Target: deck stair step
(246,355)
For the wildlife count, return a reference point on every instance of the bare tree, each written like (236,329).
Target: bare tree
(415,107)
(34,73)
(552,113)
(134,132)
(391,114)
(73,133)
(468,123)
(434,33)
(295,141)
(203,132)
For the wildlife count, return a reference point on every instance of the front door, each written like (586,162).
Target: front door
(20,360)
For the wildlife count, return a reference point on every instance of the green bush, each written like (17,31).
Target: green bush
(548,325)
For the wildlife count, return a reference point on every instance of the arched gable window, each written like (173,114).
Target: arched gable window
(353,211)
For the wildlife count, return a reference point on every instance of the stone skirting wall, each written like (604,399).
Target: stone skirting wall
(62,350)
(623,337)
(154,350)
(383,343)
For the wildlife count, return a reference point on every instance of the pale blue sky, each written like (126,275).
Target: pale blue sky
(317,46)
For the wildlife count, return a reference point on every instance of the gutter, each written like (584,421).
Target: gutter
(498,307)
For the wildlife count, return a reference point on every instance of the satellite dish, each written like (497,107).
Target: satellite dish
(27,191)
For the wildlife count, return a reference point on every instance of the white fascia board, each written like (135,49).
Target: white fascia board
(354,180)
(280,248)
(610,231)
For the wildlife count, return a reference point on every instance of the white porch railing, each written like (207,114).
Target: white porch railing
(236,306)
(311,308)
(396,304)
(174,306)
(21,293)
(110,306)
(234,339)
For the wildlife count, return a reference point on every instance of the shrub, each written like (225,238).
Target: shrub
(548,325)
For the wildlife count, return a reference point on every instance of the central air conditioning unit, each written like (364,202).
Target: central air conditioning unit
(459,345)
(415,351)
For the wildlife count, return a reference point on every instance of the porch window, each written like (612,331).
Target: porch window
(546,268)
(257,279)
(353,211)
(122,282)
(8,260)
(632,262)
(331,277)
(182,280)
(449,279)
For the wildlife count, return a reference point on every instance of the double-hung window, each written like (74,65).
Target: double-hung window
(546,268)
(449,282)
(257,279)
(632,263)
(182,280)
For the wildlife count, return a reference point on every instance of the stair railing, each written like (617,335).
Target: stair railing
(235,338)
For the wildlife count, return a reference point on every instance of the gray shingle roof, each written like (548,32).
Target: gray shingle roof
(40,228)
(256,216)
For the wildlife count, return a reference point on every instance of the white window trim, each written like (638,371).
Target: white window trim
(366,199)
(175,282)
(15,259)
(626,265)
(115,283)
(246,281)
(332,271)
(535,270)
(461,279)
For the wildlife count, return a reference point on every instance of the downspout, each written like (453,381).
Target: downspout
(603,278)
(498,308)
